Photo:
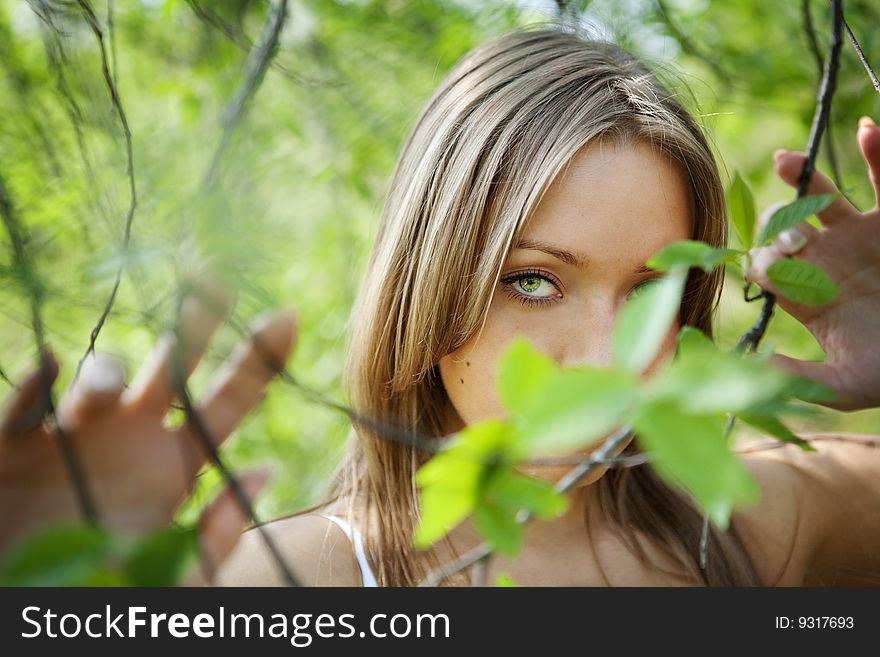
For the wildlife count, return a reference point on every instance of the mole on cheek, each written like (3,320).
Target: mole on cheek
(468,363)
(462,380)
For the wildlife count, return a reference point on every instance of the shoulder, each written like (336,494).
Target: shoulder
(817,518)
(315,548)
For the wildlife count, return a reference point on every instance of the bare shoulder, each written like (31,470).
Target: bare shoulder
(817,521)
(315,548)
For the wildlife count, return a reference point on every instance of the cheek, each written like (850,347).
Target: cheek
(468,374)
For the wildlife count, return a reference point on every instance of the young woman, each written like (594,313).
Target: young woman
(541,176)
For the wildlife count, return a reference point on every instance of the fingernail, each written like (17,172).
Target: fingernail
(778,154)
(866,122)
(791,240)
(103,374)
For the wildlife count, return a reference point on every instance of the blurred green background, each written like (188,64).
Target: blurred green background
(299,190)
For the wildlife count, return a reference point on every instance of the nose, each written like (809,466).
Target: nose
(589,340)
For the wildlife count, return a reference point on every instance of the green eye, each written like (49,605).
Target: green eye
(529,283)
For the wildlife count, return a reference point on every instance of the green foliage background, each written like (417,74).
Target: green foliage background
(301,186)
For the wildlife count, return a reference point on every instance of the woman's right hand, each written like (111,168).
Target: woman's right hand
(847,248)
(137,469)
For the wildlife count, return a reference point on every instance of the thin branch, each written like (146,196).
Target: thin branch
(862,58)
(255,68)
(93,23)
(25,270)
(209,445)
(231,32)
(5,378)
(480,571)
(820,65)
(752,337)
(111,30)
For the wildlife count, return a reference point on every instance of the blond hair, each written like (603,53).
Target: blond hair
(495,134)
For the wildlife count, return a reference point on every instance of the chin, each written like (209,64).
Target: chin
(553,473)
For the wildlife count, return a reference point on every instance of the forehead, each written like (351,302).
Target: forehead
(613,202)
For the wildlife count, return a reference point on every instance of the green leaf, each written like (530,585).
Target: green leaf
(793,214)
(498,526)
(775,427)
(159,559)
(702,379)
(810,390)
(741,204)
(691,451)
(522,372)
(505,580)
(515,491)
(59,555)
(802,282)
(576,407)
(690,253)
(644,321)
(555,410)
(716,257)
(451,480)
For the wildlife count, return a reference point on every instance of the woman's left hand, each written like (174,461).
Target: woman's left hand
(847,248)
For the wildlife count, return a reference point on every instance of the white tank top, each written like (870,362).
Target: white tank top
(355,537)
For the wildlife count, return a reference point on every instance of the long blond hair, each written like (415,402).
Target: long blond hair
(495,134)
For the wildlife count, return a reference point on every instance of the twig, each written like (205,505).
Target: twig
(255,68)
(209,445)
(92,21)
(56,59)
(111,29)
(212,19)
(7,379)
(753,336)
(479,572)
(820,64)
(23,265)
(862,58)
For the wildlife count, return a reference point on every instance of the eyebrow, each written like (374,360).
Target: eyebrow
(568,257)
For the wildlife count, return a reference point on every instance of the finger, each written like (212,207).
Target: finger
(155,386)
(241,382)
(221,525)
(789,165)
(29,403)
(801,239)
(762,258)
(868,136)
(97,390)
(821,372)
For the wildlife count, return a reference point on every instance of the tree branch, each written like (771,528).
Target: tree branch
(820,65)
(255,68)
(23,267)
(209,446)
(750,340)
(862,58)
(93,23)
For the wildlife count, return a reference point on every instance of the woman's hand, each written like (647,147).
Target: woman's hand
(137,469)
(847,248)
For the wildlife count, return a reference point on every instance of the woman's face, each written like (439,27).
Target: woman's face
(579,258)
